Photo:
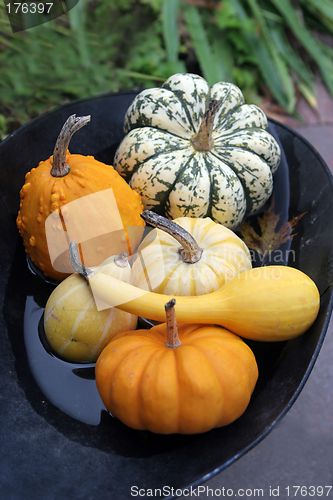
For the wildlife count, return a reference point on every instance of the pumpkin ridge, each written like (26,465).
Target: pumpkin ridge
(80,317)
(226,160)
(209,167)
(229,117)
(179,173)
(160,352)
(154,157)
(200,232)
(226,97)
(249,356)
(242,148)
(228,344)
(246,189)
(223,381)
(184,375)
(185,108)
(217,276)
(211,184)
(222,101)
(227,265)
(177,375)
(192,162)
(104,333)
(163,356)
(230,177)
(119,369)
(185,104)
(143,120)
(162,286)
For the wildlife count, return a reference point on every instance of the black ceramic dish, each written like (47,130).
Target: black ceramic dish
(45,452)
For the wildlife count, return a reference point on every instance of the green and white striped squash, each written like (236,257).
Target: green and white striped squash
(188,155)
(74,327)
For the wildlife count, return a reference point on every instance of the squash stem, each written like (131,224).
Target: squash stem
(77,265)
(203,140)
(121,259)
(72,125)
(190,251)
(171,325)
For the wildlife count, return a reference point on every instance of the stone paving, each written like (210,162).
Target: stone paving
(299,450)
(316,125)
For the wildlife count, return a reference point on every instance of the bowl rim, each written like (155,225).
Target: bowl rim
(328,292)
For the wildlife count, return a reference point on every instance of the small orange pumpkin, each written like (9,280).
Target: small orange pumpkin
(201,378)
(66,177)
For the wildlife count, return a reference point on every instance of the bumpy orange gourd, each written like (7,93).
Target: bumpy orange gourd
(66,177)
(201,378)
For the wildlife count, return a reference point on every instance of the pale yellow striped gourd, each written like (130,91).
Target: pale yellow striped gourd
(74,327)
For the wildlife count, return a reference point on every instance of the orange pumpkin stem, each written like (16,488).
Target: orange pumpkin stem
(171,325)
(72,125)
(189,250)
(203,140)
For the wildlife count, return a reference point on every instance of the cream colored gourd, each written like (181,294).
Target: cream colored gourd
(270,303)
(73,325)
(187,256)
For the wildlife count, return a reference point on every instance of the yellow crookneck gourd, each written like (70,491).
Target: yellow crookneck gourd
(271,303)
(74,328)
(187,256)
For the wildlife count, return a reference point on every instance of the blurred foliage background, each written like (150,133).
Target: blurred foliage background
(271,49)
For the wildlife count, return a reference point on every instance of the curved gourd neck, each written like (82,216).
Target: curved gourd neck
(131,299)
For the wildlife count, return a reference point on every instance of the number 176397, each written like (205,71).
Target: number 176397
(31,7)
(308,491)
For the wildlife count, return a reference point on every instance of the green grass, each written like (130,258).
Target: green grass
(110,45)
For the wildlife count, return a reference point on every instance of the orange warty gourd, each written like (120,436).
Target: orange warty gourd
(187,382)
(61,179)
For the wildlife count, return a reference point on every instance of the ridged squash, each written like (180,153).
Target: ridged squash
(187,256)
(185,380)
(74,327)
(196,151)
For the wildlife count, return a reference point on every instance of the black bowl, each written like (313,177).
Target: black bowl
(46,453)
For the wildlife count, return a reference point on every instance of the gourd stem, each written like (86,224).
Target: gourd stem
(171,325)
(77,265)
(190,250)
(203,140)
(121,259)
(72,125)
